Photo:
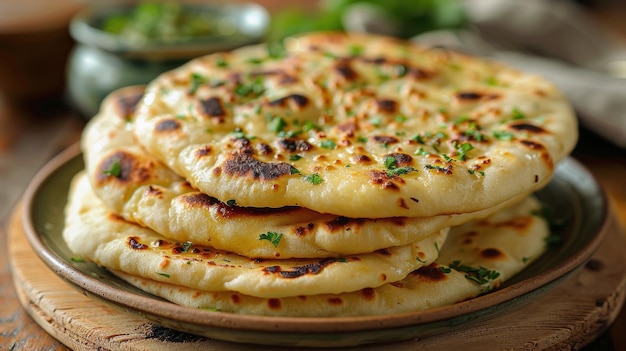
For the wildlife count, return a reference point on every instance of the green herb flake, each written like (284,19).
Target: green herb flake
(277,124)
(462,150)
(77,259)
(375,122)
(480,275)
(166,275)
(196,81)
(517,114)
(308,125)
(492,81)
(314,178)
(276,50)
(503,135)
(186,246)
(401,118)
(272,237)
(114,170)
(391,164)
(294,158)
(221,62)
(422,152)
(255,60)
(356,50)
(445,269)
(251,89)
(231,202)
(328,144)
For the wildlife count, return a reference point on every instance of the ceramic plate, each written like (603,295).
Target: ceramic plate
(573,197)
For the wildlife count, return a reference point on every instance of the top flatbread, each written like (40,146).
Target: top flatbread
(145,191)
(356,125)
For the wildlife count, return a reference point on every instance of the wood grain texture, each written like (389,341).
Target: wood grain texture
(566,318)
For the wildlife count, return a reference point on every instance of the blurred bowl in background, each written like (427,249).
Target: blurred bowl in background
(34,47)
(126,43)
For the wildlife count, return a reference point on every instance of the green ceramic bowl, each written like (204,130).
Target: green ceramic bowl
(103,61)
(573,195)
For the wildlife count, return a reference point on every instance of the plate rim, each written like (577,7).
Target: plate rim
(280,324)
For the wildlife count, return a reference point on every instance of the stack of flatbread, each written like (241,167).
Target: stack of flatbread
(339,174)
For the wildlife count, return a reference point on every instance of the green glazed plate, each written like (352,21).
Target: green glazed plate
(573,197)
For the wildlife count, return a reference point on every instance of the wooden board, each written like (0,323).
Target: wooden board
(566,318)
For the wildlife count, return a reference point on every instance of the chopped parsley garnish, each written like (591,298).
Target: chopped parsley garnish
(231,202)
(445,269)
(77,259)
(114,170)
(460,120)
(462,150)
(272,237)
(503,135)
(362,139)
(375,121)
(186,246)
(475,134)
(294,157)
(555,223)
(252,89)
(255,60)
(294,170)
(276,50)
(356,50)
(166,275)
(517,114)
(401,118)
(480,275)
(418,138)
(391,164)
(314,178)
(308,125)
(445,170)
(196,81)
(239,134)
(421,152)
(474,171)
(221,62)
(277,124)
(328,144)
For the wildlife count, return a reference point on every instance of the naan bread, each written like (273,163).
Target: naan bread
(146,192)
(95,233)
(356,125)
(482,254)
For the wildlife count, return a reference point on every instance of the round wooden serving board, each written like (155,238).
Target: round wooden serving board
(567,317)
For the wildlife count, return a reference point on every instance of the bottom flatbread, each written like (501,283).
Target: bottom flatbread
(476,258)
